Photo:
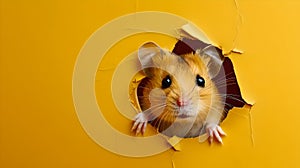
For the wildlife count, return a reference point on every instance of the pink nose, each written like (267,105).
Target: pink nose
(180,102)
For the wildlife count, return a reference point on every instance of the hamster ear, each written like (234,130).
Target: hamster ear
(146,52)
(213,58)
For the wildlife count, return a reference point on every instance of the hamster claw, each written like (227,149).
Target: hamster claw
(140,124)
(215,131)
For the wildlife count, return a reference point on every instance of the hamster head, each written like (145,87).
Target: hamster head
(177,87)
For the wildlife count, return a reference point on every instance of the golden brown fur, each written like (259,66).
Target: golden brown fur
(202,101)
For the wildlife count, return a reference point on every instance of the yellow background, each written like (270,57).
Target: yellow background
(40,41)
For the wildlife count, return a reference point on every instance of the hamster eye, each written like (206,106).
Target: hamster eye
(200,81)
(166,82)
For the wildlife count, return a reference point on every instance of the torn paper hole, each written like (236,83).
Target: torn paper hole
(224,79)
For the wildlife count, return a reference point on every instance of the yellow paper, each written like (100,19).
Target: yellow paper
(40,43)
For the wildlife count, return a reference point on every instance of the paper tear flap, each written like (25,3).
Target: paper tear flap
(175,143)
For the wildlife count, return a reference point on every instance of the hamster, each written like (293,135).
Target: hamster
(177,96)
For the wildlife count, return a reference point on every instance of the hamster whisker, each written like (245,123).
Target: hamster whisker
(225,76)
(154,95)
(165,118)
(223,102)
(154,112)
(154,100)
(214,110)
(157,105)
(231,97)
(145,104)
(160,119)
(228,104)
(225,94)
(225,85)
(159,97)
(225,80)
(169,118)
(236,99)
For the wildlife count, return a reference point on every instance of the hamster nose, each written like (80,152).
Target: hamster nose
(180,102)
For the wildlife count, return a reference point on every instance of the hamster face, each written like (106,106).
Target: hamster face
(177,93)
(184,81)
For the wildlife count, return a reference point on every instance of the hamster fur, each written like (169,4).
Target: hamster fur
(177,96)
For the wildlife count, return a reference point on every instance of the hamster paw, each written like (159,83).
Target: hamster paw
(140,123)
(214,130)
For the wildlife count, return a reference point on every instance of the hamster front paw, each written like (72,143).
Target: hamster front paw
(214,130)
(140,123)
